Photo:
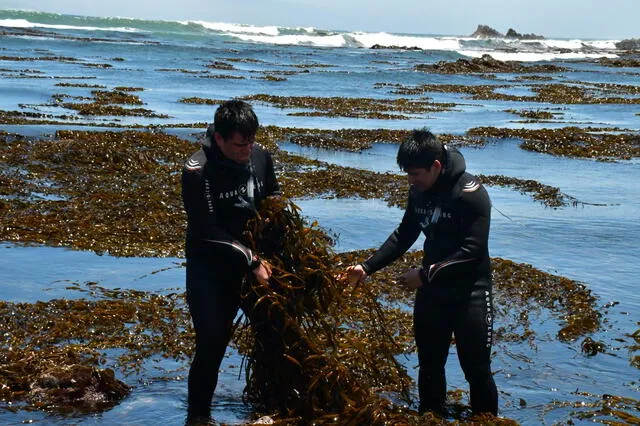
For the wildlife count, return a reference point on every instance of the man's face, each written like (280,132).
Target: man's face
(237,148)
(423,179)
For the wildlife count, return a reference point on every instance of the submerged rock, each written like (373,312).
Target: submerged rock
(79,387)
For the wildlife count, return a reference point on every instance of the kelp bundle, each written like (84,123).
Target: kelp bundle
(307,360)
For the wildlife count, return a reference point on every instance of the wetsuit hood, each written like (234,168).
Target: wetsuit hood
(452,168)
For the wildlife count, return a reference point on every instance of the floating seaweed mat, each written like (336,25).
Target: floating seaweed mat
(52,354)
(59,380)
(309,361)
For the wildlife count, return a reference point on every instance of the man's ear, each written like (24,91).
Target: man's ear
(438,165)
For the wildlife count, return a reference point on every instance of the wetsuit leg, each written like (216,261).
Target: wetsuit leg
(432,328)
(473,335)
(213,296)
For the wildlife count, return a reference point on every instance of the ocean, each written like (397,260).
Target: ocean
(49,60)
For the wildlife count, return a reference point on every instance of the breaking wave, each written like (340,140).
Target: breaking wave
(499,48)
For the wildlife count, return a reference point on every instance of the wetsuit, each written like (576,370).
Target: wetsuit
(456,296)
(219,196)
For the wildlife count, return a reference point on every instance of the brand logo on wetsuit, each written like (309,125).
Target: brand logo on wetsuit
(489,318)
(193,165)
(431,216)
(207,195)
(241,190)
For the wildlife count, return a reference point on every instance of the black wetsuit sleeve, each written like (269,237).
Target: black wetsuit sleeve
(397,243)
(271,183)
(476,210)
(203,219)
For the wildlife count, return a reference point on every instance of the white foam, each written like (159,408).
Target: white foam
(336,40)
(237,28)
(562,44)
(575,44)
(425,43)
(534,56)
(603,44)
(23,23)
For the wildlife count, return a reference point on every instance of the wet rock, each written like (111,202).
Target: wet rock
(629,44)
(511,33)
(380,46)
(620,62)
(485,31)
(219,65)
(78,387)
(485,64)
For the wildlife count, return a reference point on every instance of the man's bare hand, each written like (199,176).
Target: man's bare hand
(353,275)
(410,279)
(263,271)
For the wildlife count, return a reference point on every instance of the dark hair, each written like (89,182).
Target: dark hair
(421,149)
(235,116)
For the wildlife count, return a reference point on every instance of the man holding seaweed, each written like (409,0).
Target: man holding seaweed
(223,184)
(454,288)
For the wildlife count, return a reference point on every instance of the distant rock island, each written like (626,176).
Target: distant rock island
(629,44)
(485,31)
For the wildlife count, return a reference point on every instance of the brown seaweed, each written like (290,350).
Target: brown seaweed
(548,195)
(555,93)
(118,192)
(90,86)
(325,365)
(486,64)
(201,101)
(619,62)
(219,65)
(606,409)
(108,103)
(53,353)
(570,141)
(308,361)
(353,107)
(536,115)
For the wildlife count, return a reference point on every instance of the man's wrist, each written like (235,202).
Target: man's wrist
(423,276)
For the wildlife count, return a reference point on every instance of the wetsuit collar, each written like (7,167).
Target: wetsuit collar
(453,166)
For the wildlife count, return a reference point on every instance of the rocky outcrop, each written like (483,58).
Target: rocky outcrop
(629,44)
(485,64)
(485,31)
(514,34)
(619,62)
(381,46)
(78,387)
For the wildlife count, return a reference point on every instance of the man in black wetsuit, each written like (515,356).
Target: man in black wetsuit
(453,284)
(223,184)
